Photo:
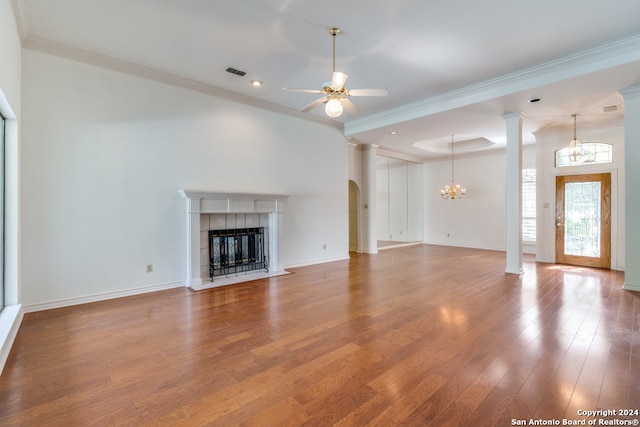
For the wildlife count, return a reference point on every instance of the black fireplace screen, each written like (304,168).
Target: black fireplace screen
(236,251)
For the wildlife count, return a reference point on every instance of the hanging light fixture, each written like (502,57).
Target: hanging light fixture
(453,191)
(333,107)
(575,147)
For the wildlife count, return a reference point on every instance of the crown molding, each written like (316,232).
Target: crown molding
(22,20)
(600,58)
(107,62)
(632,92)
(399,156)
(516,115)
(566,128)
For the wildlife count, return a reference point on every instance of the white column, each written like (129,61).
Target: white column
(369,191)
(514,192)
(631,97)
(275,225)
(194,280)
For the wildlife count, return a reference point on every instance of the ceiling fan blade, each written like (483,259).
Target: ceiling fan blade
(338,80)
(349,106)
(314,104)
(367,92)
(302,90)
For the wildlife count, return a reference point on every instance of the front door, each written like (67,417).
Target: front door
(583,220)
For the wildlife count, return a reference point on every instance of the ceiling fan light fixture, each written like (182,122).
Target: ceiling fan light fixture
(333,108)
(335,95)
(338,80)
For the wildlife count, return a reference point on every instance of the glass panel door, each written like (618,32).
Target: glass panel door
(583,220)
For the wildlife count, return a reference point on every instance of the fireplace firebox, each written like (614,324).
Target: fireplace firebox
(236,250)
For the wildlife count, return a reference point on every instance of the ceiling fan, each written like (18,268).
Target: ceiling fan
(335,95)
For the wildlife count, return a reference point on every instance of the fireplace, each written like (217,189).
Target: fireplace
(221,213)
(236,250)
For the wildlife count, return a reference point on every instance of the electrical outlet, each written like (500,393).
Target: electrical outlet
(149,268)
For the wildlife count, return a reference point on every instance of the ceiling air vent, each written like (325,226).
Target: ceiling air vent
(610,108)
(236,72)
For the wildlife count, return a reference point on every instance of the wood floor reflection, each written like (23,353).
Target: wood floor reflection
(419,336)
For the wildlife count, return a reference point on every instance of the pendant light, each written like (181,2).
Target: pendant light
(453,191)
(575,147)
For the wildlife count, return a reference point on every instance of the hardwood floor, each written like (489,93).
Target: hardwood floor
(416,336)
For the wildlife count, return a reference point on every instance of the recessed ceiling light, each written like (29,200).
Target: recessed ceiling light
(533,100)
(393,132)
(256,82)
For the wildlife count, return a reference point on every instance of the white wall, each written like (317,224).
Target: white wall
(546,144)
(105,153)
(477,220)
(355,164)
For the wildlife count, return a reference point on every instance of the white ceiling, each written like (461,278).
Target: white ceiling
(451,67)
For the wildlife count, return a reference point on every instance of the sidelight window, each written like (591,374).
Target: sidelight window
(529,205)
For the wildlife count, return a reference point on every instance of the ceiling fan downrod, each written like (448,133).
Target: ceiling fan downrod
(334,31)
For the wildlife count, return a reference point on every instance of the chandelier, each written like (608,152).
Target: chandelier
(453,191)
(575,147)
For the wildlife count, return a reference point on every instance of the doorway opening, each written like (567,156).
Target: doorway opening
(354,233)
(583,220)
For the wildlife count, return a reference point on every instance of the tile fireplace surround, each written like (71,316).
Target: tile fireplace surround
(234,206)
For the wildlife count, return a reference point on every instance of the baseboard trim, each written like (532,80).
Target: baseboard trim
(100,297)
(462,245)
(318,261)
(399,245)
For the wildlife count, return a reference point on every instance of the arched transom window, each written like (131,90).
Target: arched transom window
(592,153)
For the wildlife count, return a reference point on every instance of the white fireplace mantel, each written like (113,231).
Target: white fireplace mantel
(204,202)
